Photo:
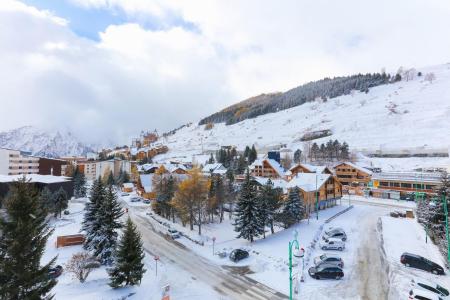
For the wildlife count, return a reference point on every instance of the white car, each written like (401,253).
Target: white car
(174,234)
(135,199)
(429,286)
(332,244)
(418,294)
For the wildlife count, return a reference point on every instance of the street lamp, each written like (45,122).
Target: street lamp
(444,200)
(317,200)
(156,258)
(292,243)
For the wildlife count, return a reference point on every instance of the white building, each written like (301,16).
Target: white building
(15,162)
(95,169)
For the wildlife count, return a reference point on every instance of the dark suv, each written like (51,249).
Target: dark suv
(238,254)
(330,271)
(419,262)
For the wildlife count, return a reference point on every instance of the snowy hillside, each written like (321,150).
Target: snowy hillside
(411,115)
(43,143)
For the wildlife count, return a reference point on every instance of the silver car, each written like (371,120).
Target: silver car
(329,259)
(332,244)
(336,234)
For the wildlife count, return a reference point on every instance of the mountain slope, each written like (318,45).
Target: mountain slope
(402,116)
(43,143)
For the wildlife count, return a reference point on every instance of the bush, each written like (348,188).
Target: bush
(81,264)
(209,126)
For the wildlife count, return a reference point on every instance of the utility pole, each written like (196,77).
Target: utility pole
(317,200)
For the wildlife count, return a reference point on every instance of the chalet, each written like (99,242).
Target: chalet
(351,174)
(145,183)
(127,187)
(307,168)
(214,169)
(398,184)
(163,168)
(268,168)
(318,189)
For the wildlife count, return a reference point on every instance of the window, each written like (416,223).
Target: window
(394,184)
(429,187)
(406,185)
(384,183)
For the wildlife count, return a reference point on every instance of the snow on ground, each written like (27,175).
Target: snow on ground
(268,257)
(393,117)
(96,286)
(406,235)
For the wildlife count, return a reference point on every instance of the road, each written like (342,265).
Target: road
(231,286)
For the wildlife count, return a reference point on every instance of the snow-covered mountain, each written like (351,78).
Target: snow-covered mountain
(407,116)
(42,142)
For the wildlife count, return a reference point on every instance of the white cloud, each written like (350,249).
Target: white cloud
(135,78)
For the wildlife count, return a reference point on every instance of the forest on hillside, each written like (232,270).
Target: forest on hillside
(323,89)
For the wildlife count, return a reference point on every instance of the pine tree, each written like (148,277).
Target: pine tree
(91,222)
(246,151)
(248,221)
(24,233)
(79,184)
(271,198)
(211,159)
(125,177)
(294,209)
(242,165)
(128,261)
(60,201)
(110,181)
(106,239)
(253,155)
(230,191)
(220,196)
(46,200)
(345,153)
(297,156)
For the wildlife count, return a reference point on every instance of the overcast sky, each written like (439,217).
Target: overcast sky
(109,68)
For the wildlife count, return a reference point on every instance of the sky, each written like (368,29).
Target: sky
(108,69)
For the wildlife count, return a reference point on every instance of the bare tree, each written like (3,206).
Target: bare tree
(430,77)
(409,74)
(286,161)
(81,264)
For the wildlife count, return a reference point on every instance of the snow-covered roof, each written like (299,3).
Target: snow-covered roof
(311,168)
(216,168)
(273,163)
(408,176)
(308,182)
(362,169)
(277,183)
(35,178)
(147,182)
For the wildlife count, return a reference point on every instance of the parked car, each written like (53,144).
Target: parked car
(124,194)
(331,229)
(329,259)
(174,234)
(418,294)
(135,199)
(238,254)
(336,233)
(419,262)
(146,201)
(430,286)
(326,271)
(55,272)
(332,244)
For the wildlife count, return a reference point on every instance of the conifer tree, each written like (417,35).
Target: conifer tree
(230,191)
(211,159)
(253,155)
(294,209)
(60,201)
(271,202)
(246,151)
(125,177)
(46,200)
(128,261)
(79,184)
(248,222)
(110,181)
(106,239)
(297,156)
(24,233)
(91,222)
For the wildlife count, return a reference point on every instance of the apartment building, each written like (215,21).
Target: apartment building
(15,162)
(95,169)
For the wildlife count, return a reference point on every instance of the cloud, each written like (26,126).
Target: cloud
(136,78)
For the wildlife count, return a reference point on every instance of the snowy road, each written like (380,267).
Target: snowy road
(231,286)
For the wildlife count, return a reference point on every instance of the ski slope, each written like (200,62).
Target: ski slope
(408,115)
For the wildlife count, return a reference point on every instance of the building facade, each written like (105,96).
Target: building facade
(15,162)
(352,175)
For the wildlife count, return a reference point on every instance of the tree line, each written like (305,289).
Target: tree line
(324,89)
(329,151)
(231,159)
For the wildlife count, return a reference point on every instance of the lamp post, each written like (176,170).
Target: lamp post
(156,258)
(317,200)
(214,241)
(292,243)
(444,200)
